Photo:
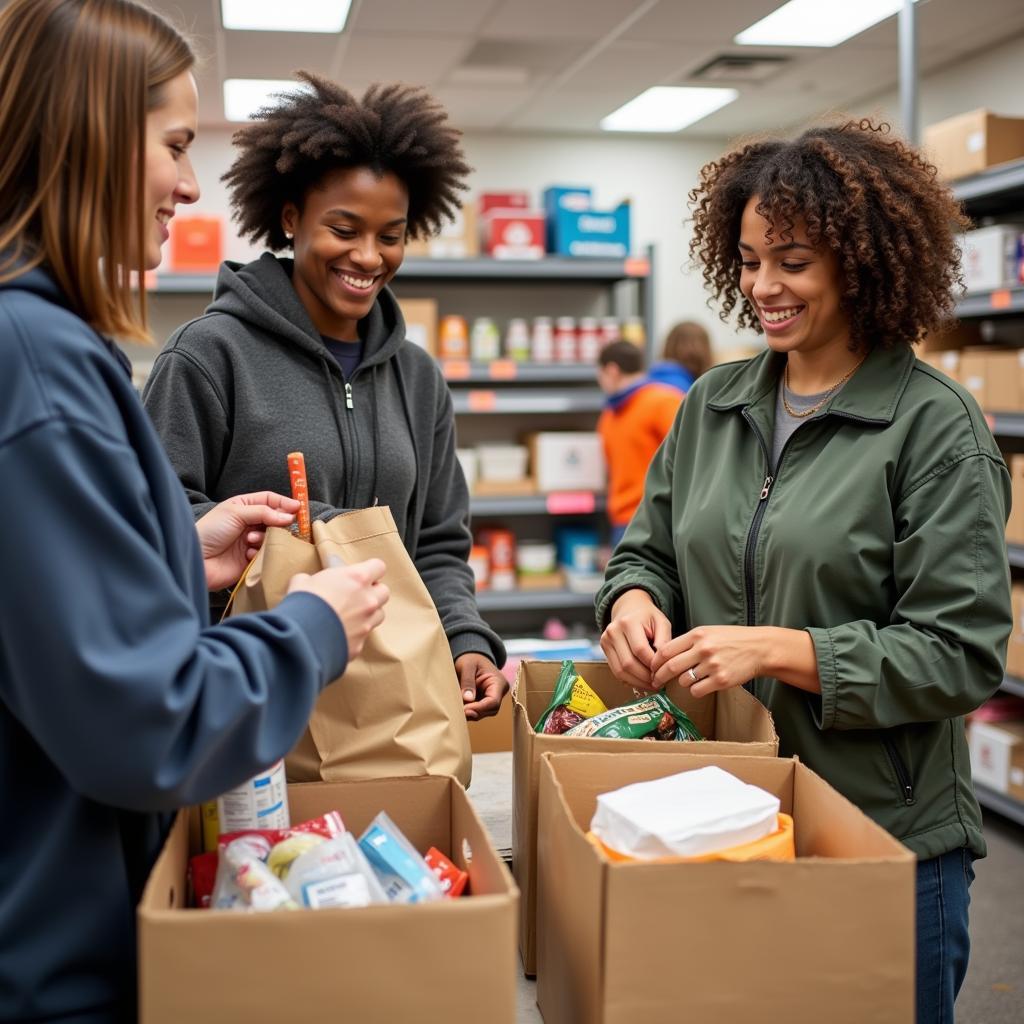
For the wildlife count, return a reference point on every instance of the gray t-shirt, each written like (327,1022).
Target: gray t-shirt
(786,425)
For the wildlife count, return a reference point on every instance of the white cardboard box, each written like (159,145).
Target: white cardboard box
(997,754)
(990,257)
(567,461)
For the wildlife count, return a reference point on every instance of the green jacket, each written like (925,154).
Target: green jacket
(882,535)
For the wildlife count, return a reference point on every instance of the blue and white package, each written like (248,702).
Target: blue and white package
(402,872)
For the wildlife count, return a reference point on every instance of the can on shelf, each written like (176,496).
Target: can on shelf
(588,340)
(517,340)
(542,342)
(453,338)
(610,330)
(501,549)
(484,341)
(565,340)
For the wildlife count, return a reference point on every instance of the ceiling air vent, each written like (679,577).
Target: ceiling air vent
(739,68)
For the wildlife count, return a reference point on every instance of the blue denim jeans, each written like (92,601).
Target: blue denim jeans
(943,942)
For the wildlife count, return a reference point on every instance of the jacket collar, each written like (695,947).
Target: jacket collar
(871,394)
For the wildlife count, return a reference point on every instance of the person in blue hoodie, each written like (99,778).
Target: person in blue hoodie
(118,701)
(307,350)
(685,355)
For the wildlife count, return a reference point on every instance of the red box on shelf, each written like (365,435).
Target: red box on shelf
(514,234)
(196,244)
(518,199)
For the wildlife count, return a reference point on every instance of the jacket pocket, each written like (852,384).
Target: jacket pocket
(904,779)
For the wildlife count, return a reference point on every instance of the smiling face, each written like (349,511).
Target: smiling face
(170,129)
(349,243)
(794,286)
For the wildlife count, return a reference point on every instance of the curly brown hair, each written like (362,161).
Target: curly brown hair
(873,200)
(290,146)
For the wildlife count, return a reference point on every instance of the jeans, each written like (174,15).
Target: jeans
(943,942)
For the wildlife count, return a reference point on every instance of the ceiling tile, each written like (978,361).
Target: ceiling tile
(264,55)
(402,57)
(634,66)
(695,21)
(433,18)
(479,108)
(556,19)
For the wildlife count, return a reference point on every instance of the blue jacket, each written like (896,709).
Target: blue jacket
(668,371)
(118,701)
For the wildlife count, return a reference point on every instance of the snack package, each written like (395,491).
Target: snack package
(400,869)
(335,873)
(327,825)
(572,702)
(452,878)
(244,882)
(202,876)
(652,717)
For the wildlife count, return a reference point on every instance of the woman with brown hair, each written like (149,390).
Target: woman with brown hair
(118,702)
(685,355)
(825,522)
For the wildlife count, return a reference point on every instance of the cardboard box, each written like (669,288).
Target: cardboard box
(574,198)
(458,238)
(997,755)
(567,461)
(1015,647)
(197,244)
(392,963)
(964,335)
(514,234)
(600,233)
(1004,380)
(516,199)
(945,362)
(733,721)
(829,937)
(991,257)
(420,317)
(1015,523)
(973,370)
(969,143)
(494,734)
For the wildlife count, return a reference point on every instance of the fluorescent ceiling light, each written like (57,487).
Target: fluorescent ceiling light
(285,15)
(244,96)
(817,22)
(667,108)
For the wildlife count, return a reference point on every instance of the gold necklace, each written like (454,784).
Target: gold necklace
(804,413)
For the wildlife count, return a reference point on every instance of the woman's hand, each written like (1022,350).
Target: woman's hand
(483,686)
(724,656)
(231,533)
(638,628)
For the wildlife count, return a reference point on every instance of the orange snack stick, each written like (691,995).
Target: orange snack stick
(300,492)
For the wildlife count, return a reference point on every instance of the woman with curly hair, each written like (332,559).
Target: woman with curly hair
(309,353)
(825,521)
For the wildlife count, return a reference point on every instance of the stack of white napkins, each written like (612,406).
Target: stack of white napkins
(686,815)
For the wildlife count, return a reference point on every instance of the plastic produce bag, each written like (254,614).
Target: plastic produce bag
(651,717)
(572,702)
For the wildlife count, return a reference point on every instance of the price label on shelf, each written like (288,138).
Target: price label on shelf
(482,401)
(503,369)
(637,266)
(1001,299)
(571,503)
(455,369)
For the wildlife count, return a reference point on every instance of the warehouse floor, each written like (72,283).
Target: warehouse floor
(994,990)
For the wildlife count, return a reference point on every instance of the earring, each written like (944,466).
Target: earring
(288,235)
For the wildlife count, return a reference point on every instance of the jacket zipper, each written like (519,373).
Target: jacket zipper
(755,525)
(348,396)
(902,775)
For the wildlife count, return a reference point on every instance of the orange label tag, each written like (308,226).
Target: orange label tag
(455,369)
(1001,299)
(637,266)
(503,369)
(571,503)
(482,401)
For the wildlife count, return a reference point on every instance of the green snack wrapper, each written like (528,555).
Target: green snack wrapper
(651,717)
(572,702)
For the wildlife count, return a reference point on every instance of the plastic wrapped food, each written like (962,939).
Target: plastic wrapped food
(334,873)
(452,878)
(244,882)
(572,702)
(652,717)
(402,872)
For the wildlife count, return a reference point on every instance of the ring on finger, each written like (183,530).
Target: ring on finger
(693,674)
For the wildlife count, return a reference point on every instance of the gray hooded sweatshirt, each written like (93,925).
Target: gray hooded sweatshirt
(237,389)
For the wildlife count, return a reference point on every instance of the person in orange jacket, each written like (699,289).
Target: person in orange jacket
(638,414)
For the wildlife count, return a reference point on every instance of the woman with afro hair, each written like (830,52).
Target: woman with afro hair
(824,523)
(309,353)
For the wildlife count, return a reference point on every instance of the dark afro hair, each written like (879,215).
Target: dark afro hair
(289,147)
(871,199)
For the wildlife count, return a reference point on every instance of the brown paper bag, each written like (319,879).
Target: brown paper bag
(397,710)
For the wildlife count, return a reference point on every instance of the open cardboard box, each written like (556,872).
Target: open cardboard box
(378,963)
(732,721)
(828,937)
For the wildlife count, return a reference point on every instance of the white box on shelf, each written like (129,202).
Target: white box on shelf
(503,463)
(991,257)
(567,461)
(469,462)
(995,751)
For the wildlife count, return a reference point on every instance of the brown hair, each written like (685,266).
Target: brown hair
(291,145)
(689,345)
(77,79)
(873,200)
(629,358)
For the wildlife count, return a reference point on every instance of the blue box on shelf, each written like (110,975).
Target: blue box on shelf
(601,233)
(574,198)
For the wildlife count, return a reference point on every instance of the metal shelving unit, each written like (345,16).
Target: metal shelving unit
(525,403)
(1016,553)
(1004,302)
(996,801)
(993,190)
(1006,424)
(532,600)
(550,268)
(506,371)
(531,505)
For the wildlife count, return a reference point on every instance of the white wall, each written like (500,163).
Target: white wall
(656,174)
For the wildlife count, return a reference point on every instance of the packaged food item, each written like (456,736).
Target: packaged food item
(689,814)
(453,879)
(572,702)
(261,802)
(210,824)
(202,876)
(400,869)
(501,549)
(517,340)
(327,825)
(588,340)
(334,873)
(300,492)
(453,338)
(542,341)
(565,339)
(652,717)
(485,341)
(244,882)
(609,330)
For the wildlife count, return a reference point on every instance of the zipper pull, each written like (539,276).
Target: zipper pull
(768,481)
(348,396)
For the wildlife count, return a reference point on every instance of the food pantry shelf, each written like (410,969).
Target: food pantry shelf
(1006,424)
(507,371)
(995,188)
(996,801)
(530,600)
(551,268)
(1003,302)
(583,503)
(527,402)
(1016,553)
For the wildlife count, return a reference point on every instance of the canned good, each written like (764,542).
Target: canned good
(543,340)
(485,341)
(453,338)
(610,330)
(262,802)
(588,340)
(501,549)
(517,340)
(565,340)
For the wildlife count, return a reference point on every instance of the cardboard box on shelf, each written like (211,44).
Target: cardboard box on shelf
(963,335)
(504,488)
(973,363)
(1015,647)
(1015,522)
(567,461)
(206,966)
(601,233)
(516,199)
(197,244)
(1004,380)
(458,238)
(732,721)
(971,142)
(514,234)
(621,943)
(997,755)
(991,257)
(945,362)
(420,317)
